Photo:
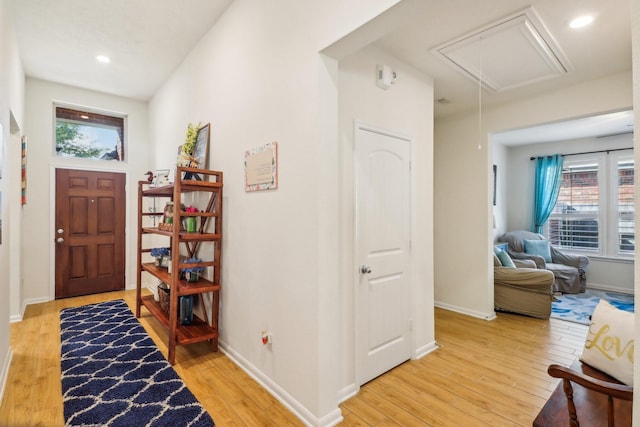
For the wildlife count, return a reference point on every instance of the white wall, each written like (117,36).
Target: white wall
(405,108)
(41,160)
(463,183)
(519,171)
(257,77)
(11,106)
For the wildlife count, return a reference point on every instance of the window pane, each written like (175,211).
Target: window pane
(626,222)
(573,233)
(89,135)
(574,221)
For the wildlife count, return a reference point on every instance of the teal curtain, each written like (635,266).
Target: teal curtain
(548,179)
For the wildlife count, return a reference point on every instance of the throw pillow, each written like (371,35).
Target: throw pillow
(538,247)
(504,258)
(496,261)
(610,342)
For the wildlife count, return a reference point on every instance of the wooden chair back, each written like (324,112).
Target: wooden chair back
(587,393)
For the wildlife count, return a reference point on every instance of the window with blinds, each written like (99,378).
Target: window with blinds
(626,207)
(596,204)
(574,222)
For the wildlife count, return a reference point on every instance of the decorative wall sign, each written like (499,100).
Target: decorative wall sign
(261,167)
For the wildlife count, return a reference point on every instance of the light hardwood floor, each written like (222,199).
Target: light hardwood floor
(485,373)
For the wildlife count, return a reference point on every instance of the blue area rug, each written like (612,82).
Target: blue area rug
(579,307)
(114,375)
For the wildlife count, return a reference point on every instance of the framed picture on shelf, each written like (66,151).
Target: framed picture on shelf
(199,158)
(160,178)
(201,149)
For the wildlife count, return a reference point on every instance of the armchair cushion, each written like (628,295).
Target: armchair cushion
(610,342)
(538,247)
(525,263)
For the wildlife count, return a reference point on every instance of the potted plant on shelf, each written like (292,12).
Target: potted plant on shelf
(192,274)
(161,255)
(191,220)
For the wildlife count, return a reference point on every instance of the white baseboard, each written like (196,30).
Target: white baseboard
(347,393)
(462,310)
(610,288)
(18,317)
(4,374)
(351,390)
(331,419)
(425,349)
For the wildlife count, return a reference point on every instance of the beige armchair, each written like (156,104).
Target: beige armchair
(569,271)
(523,290)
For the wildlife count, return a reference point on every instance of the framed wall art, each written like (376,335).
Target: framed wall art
(495,180)
(23,170)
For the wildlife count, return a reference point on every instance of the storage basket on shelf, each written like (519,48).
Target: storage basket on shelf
(163,296)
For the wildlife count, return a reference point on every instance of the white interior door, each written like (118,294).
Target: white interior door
(383,231)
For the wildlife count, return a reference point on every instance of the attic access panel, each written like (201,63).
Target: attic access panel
(510,53)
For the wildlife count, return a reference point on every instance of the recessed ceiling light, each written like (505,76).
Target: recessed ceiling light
(581,21)
(103,58)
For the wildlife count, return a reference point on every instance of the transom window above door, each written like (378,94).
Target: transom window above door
(89,135)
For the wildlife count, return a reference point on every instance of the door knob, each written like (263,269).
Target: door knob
(59,240)
(60,231)
(365,269)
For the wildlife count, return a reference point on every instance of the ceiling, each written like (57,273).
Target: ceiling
(601,49)
(147,39)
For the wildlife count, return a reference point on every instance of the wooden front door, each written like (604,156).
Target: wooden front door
(90,232)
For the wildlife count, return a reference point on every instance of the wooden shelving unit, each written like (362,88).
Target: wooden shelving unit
(189,245)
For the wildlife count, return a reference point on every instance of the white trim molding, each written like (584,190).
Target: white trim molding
(4,374)
(331,419)
(462,310)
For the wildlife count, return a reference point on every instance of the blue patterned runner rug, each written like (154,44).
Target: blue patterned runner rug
(578,308)
(114,375)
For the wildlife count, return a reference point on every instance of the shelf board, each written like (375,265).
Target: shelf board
(184,236)
(184,287)
(197,331)
(185,186)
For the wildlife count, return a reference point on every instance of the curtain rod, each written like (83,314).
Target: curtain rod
(585,152)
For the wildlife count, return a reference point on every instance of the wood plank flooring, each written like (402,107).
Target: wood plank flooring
(484,374)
